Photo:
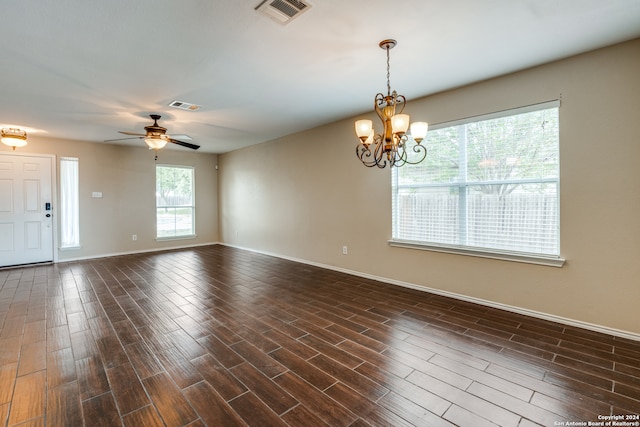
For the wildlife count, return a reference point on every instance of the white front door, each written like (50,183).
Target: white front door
(26,213)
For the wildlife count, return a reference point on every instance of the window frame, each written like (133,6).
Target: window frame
(192,206)
(461,249)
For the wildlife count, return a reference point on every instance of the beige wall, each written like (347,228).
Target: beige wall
(306,195)
(126,177)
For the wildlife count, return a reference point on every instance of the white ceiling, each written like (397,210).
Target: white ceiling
(78,69)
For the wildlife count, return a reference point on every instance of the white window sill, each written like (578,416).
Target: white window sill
(188,236)
(70,248)
(549,261)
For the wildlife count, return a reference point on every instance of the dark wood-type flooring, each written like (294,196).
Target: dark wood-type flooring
(222,337)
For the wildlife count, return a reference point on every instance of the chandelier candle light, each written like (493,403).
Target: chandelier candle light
(13,137)
(390,146)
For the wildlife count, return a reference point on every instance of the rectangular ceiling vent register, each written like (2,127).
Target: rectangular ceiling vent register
(184,106)
(283,11)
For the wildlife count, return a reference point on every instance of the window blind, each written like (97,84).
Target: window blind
(489,182)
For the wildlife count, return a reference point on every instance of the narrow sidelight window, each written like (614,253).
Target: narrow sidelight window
(69,203)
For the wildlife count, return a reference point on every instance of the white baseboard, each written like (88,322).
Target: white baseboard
(143,251)
(512,309)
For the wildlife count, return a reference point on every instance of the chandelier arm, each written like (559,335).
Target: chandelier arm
(400,101)
(401,158)
(362,151)
(368,157)
(419,149)
(378,103)
(396,155)
(380,151)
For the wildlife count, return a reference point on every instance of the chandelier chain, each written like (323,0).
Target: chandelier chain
(388,74)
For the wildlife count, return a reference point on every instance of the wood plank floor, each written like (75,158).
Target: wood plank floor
(222,337)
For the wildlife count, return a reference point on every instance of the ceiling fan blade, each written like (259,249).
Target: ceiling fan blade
(122,139)
(132,133)
(184,144)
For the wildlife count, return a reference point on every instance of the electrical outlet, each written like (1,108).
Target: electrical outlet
(134,237)
(344,250)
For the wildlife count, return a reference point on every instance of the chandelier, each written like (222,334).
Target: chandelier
(13,137)
(391,146)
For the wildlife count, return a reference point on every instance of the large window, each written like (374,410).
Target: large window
(489,184)
(175,204)
(69,203)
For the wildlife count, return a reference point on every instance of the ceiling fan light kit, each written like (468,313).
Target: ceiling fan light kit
(155,142)
(390,147)
(13,137)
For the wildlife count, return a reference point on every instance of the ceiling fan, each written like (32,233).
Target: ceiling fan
(156,136)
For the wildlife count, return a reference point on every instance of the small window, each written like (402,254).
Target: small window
(69,203)
(489,184)
(175,204)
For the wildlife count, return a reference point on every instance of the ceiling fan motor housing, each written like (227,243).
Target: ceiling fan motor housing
(155,129)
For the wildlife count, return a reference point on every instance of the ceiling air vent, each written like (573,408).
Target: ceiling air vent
(184,106)
(283,11)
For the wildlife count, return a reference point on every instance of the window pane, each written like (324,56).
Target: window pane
(69,204)
(523,146)
(174,186)
(174,201)
(442,164)
(490,184)
(524,219)
(173,222)
(428,214)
